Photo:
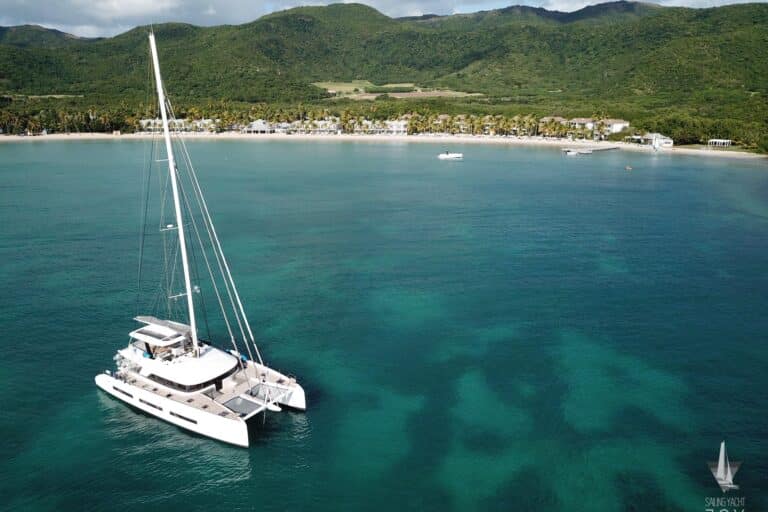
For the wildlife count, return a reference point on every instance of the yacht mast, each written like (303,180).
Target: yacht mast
(175,188)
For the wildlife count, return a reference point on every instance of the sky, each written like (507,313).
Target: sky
(95,18)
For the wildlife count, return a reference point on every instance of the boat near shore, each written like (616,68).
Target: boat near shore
(166,370)
(586,151)
(450,156)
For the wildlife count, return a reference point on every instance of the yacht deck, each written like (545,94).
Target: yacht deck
(244,394)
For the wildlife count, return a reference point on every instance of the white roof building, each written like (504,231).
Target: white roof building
(582,122)
(259,126)
(399,127)
(614,125)
(177,125)
(656,140)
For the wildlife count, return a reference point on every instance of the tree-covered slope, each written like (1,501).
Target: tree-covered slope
(628,57)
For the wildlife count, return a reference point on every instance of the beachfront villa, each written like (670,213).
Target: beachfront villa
(600,127)
(328,126)
(549,126)
(364,126)
(156,125)
(657,140)
(398,127)
(719,143)
(606,126)
(180,125)
(389,127)
(611,126)
(259,126)
(582,123)
(283,128)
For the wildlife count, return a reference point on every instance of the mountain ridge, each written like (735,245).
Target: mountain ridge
(589,11)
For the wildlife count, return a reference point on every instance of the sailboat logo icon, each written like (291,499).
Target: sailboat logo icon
(724,470)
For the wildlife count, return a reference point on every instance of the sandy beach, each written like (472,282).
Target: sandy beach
(433,139)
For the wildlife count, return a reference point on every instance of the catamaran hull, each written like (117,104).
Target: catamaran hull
(228,430)
(296,399)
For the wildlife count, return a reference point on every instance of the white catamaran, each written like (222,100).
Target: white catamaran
(166,370)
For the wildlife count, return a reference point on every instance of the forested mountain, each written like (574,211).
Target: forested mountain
(627,58)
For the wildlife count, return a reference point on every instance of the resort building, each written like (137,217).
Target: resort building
(460,124)
(282,127)
(203,125)
(180,125)
(399,127)
(719,143)
(656,140)
(363,127)
(259,126)
(582,123)
(328,126)
(659,140)
(611,126)
(156,125)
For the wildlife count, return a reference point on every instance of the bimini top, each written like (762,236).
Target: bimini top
(160,333)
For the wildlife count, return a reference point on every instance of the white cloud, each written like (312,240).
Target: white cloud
(109,17)
(109,10)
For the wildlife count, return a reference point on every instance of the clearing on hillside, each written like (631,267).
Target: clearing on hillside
(366,90)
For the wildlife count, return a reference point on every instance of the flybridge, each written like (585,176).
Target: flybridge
(158,333)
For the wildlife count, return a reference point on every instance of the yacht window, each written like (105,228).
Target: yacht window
(121,391)
(150,404)
(183,417)
(194,387)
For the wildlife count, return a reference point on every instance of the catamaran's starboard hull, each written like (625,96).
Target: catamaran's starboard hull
(296,400)
(228,430)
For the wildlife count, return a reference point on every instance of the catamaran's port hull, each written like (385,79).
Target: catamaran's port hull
(228,430)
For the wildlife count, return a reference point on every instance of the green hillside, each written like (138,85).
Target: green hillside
(628,59)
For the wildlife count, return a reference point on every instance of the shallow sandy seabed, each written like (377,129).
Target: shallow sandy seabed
(442,139)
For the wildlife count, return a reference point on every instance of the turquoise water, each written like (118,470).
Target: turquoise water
(517,331)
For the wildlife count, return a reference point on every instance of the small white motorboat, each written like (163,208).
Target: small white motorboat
(577,151)
(450,156)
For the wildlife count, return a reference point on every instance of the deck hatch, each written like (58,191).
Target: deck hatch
(243,407)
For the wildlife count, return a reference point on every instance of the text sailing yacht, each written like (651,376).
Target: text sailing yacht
(167,370)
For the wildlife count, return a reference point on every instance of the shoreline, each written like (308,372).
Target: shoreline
(434,139)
